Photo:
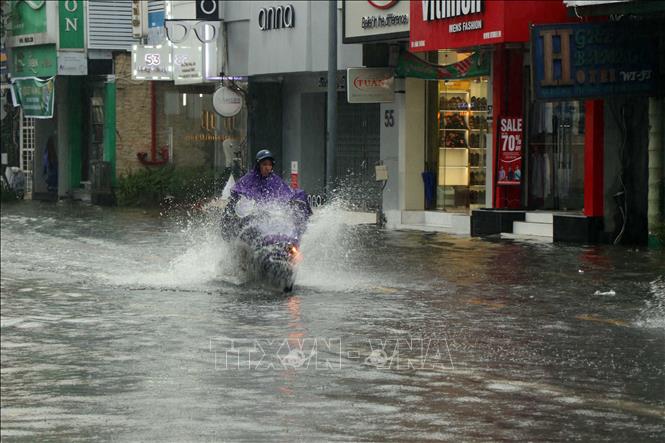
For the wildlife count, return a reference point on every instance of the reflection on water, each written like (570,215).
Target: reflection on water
(124,325)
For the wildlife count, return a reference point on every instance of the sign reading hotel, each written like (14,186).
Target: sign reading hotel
(593,60)
(370,20)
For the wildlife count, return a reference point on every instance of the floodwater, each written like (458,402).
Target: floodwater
(131,326)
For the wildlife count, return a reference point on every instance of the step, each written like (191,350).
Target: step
(539,217)
(81,194)
(430,228)
(527,238)
(538,229)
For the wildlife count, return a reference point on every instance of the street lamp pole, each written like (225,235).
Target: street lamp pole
(331,133)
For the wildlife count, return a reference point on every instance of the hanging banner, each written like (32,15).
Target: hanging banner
(36,96)
(509,163)
(72,23)
(409,65)
(227,102)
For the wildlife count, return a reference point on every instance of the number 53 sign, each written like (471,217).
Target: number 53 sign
(510,151)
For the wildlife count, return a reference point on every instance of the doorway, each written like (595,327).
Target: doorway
(556,156)
(358,147)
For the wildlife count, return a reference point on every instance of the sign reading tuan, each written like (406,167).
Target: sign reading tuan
(593,60)
(370,85)
(510,151)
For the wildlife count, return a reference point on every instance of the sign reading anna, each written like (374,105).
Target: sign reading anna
(593,60)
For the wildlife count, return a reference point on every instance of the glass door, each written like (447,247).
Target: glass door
(556,156)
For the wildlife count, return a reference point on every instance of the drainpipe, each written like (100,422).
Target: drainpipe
(110,126)
(165,154)
(153,122)
(656,162)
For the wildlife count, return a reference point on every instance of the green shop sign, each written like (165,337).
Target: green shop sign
(36,96)
(477,64)
(37,61)
(27,23)
(70,14)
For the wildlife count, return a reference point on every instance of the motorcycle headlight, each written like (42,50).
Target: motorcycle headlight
(294,253)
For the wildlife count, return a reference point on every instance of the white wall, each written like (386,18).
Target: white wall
(303,48)
(412,152)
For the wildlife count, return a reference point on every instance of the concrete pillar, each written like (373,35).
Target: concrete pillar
(656,161)
(393,138)
(594,145)
(412,151)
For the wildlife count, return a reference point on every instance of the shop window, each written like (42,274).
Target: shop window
(461,143)
(193,133)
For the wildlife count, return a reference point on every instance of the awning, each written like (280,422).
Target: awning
(409,65)
(615,7)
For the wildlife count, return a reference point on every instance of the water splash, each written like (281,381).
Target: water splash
(653,314)
(331,250)
(194,254)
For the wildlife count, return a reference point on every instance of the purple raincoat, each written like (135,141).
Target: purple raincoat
(271,188)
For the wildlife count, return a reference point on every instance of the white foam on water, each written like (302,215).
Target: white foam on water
(200,257)
(327,254)
(192,257)
(652,315)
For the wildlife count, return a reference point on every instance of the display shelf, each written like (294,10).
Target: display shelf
(463,141)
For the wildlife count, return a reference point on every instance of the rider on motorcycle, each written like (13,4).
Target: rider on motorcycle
(262,185)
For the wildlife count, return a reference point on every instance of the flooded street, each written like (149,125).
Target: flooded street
(126,325)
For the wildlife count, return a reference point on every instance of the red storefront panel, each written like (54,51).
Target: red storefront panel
(460,25)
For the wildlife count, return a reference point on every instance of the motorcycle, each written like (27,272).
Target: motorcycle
(267,235)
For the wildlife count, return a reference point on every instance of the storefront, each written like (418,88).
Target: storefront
(287,66)
(381,30)
(464,146)
(457,138)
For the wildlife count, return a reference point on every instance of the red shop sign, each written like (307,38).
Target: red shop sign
(509,164)
(455,24)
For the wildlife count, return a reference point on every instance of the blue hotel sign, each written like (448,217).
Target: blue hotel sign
(593,60)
